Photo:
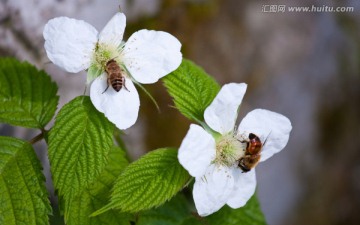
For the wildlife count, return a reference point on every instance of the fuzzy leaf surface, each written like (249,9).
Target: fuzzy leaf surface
(192,89)
(27,96)
(148,182)
(79,144)
(97,194)
(250,214)
(23,196)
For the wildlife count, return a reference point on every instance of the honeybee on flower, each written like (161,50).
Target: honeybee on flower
(222,158)
(147,56)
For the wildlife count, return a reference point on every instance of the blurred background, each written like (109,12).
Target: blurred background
(304,65)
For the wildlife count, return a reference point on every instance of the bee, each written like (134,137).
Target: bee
(252,153)
(115,76)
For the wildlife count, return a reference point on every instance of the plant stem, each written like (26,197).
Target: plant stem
(40,136)
(37,138)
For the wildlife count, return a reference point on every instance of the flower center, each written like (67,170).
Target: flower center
(104,53)
(229,150)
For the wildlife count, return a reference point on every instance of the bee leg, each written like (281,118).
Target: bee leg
(266,138)
(126,88)
(105,89)
(108,84)
(124,84)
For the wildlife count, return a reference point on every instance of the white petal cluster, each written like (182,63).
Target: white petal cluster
(213,160)
(148,55)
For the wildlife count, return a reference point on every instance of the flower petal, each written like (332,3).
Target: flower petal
(197,150)
(271,127)
(244,188)
(221,114)
(212,191)
(150,55)
(122,107)
(70,43)
(113,32)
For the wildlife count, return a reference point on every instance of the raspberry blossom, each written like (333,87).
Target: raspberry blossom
(148,55)
(213,157)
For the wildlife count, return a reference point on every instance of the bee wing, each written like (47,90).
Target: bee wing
(270,126)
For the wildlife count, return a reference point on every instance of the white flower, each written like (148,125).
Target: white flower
(213,158)
(147,56)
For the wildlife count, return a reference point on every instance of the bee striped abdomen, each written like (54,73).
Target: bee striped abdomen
(116,81)
(115,76)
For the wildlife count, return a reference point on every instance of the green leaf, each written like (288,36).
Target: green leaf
(175,212)
(23,196)
(79,144)
(250,214)
(27,96)
(192,89)
(148,182)
(97,194)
